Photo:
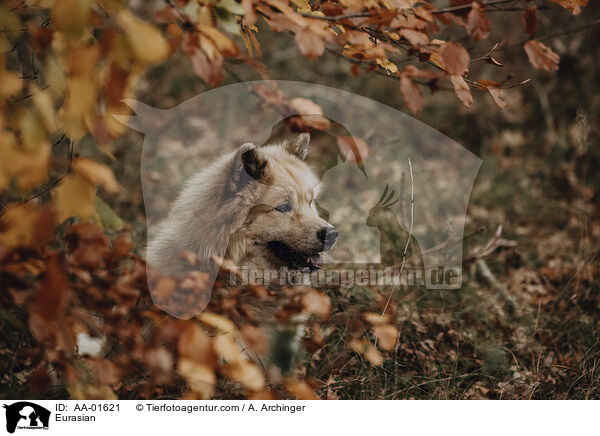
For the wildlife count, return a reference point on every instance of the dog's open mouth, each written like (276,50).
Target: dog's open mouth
(295,259)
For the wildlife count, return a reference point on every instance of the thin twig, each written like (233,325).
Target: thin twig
(410,230)
(469,6)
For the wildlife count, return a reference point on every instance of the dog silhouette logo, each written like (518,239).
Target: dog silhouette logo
(406,198)
(26,415)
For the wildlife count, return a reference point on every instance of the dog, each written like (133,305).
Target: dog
(254,206)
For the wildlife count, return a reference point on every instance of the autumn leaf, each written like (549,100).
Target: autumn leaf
(311,114)
(386,335)
(311,45)
(454,58)
(316,303)
(478,26)
(10,83)
(541,56)
(219,322)
(45,107)
(146,41)
(461,88)
(366,349)
(412,94)
(96,173)
(331,9)
(194,344)
(87,243)
(201,378)
(376,318)
(23,225)
(227,349)
(47,309)
(530,20)
(498,96)
(301,390)
(573,5)
(71,16)
(254,338)
(352,148)
(222,43)
(246,373)
(74,196)
(27,166)
(415,37)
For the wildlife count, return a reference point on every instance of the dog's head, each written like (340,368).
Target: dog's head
(284,225)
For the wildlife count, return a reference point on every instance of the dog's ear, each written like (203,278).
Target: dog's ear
(254,163)
(298,146)
(247,164)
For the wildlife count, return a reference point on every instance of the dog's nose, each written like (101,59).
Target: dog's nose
(327,235)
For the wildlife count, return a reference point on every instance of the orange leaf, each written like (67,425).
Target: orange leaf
(573,5)
(97,173)
(478,26)
(387,335)
(415,37)
(315,302)
(454,58)
(530,20)
(352,148)
(541,56)
(301,390)
(498,96)
(311,45)
(461,88)
(146,41)
(412,94)
(194,344)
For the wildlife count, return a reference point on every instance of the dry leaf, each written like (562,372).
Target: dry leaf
(387,336)
(71,16)
(454,58)
(368,350)
(96,173)
(311,45)
(74,196)
(194,344)
(478,26)
(201,378)
(247,374)
(415,37)
(254,338)
(530,20)
(301,390)
(498,96)
(412,94)
(376,318)
(461,88)
(316,303)
(541,56)
(146,41)
(10,83)
(573,5)
(19,224)
(352,148)
(221,323)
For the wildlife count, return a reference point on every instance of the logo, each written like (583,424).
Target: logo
(395,190)
(26,415)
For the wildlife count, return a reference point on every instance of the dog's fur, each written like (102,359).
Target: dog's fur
(236,209)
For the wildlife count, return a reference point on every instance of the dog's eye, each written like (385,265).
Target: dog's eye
(286,207)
